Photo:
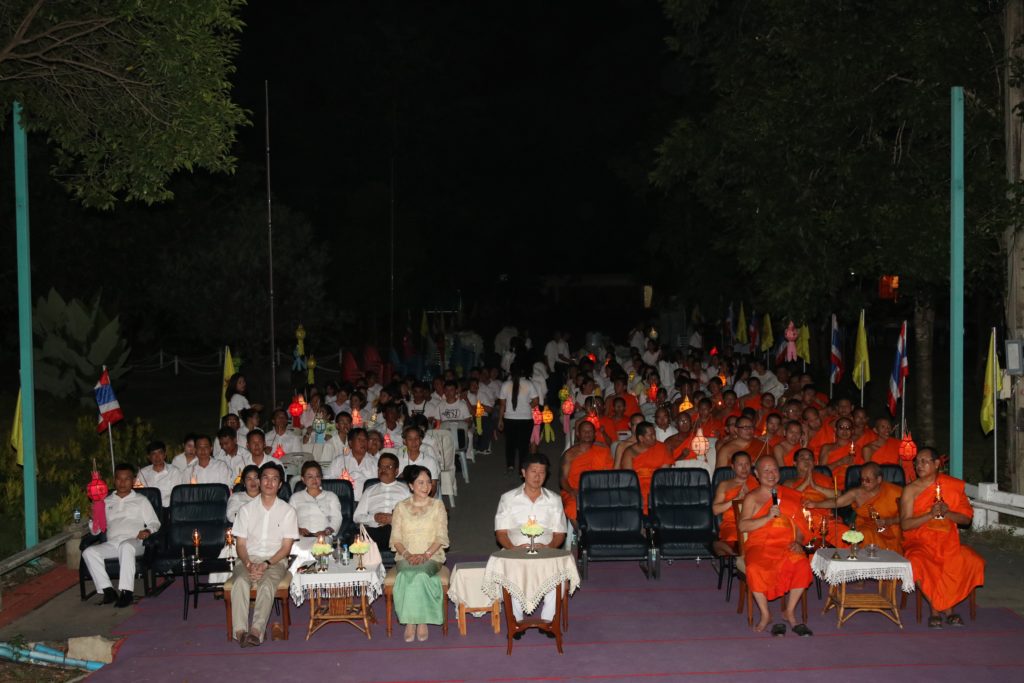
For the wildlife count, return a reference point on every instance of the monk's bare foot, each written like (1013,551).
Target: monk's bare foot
(760,626)
(790,618)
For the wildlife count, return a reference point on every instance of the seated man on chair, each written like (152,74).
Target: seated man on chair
(517,506)
(877,503)
(932,507)
(264,531)
(377,502)
(776,565)
(729,490)
(585,456)
(130,521)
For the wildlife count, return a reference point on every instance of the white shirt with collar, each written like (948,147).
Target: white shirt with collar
(316,514)
(165,480)
(515,508)
(236,501)
(425,459)
(335,447)
(291,443)
(360,471)
(215,472)
(263,529)
(380,498)
(235,462)
(127,516)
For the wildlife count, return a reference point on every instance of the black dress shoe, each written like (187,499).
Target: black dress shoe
(109,596)
(518,636)
(125,600)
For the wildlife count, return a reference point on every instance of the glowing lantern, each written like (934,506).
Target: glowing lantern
(388,442)
(310,368)
(723,379)
(908,449)
(480,412)
(568,408)
(357,418)
(295,409)
(97,491)
(593,419)
(537,420)
(319,428)
(548,417)
(700,444)
(592,357)
(652,391)
(791,334)
(347,477)
(685,405)
(278,452)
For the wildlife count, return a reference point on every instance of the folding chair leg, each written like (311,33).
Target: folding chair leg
(465,466)
(451,500)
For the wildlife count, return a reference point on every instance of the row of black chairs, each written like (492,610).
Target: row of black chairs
(195,507)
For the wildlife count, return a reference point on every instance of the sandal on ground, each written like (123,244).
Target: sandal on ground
(242,639)
(422,633)
(802,630)
(252,640)
(410,633)
(779,630)
(955,620)
(935,621)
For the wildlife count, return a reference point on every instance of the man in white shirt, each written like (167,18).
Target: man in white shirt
(336,445)
(206,470)
(280,436)
(256,445)
(769,382)
(358,462)
(317,511)
(453,409)
(517,506)
(417,405)
(556,351)
(158,473)
(264,531)
(231,454)
(130,521)
(378,501)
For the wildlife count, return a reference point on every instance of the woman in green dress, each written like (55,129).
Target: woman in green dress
(419,534)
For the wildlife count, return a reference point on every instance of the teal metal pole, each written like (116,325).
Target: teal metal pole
(28,382)
(956,284)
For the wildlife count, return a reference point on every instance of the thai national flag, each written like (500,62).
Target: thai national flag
(110,409)
(900,369)
(835,374)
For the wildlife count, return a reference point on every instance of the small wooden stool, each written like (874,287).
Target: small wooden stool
(389,596)
(280,594)
(466,584)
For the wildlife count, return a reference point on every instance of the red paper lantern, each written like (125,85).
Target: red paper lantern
(908,449)
(295,409)
(652,392)
(388,442)
(568,407)
(97,491)
(278,452)
(537,417)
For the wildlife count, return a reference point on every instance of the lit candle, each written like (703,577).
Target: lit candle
(938,493)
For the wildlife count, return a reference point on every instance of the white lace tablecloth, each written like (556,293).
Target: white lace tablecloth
(888,566)
(528,578)
(338,581)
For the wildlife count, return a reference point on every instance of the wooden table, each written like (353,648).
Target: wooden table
(466,591)
(514,573)
(342,594)
(888,568)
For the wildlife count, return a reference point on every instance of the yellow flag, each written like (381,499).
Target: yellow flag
(424,326)
(988,399)
(861,364)
(229,369)
(803,344)
(17,442)
(741,327)
(767,338)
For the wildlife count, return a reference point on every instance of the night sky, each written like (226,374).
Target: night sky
(522,133)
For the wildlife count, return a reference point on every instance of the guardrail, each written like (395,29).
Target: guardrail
(989,502)
(38,550)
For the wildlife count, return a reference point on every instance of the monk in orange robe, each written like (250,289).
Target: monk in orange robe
(931,508)
(730,490)
(877,504)
(617,422)
(816,490)
(863,434)
(711,427)
(585,456)
(645,457)
(785,450)
(632,405)
(772,432)
(885,450)
(776,564)
(842,452)
(679,443)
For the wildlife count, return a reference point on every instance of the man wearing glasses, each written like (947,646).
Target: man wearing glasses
(744,441)
(378,501)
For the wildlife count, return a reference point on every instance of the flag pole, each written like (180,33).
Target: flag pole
(110,435)
(995,412)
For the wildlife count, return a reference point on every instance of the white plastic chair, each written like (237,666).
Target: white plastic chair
(448,485)
(463,445)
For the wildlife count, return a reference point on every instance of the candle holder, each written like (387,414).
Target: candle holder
(229,541)
(875,516)
(197,538)
(938,499)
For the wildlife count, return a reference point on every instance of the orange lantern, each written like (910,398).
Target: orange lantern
(700,444)
(908,449)
(278,452)
(97,491)
(593,419)
(723,379)
(652,391)
(685,405)
(357,419)
(568,407)
(388,442)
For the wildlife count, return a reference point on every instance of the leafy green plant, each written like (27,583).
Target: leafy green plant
(75,341)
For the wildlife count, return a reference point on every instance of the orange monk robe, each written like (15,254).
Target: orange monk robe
(727,530)
(595,458)
(888,453)
(772,567)
(613,426)
(789,459)
(838,453)
(682,446)
(632,405)
(712,428)
(751,401)
(887,505)
(774,440)
(822,399)
(867,437)
(759,449)
(946,570)
(834,529)
(823,436)
(644,464)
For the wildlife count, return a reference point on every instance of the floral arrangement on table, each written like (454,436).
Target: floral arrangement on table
(321,548)
(359,547)
(531,528)
(853,537)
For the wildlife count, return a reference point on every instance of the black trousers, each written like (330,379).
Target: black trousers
(517,441)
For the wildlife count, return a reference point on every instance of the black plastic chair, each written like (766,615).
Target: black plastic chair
(852,477)
(202,508)
(786,472)
(680,516)
(143,563)
(611,519)
(721,474)
(724,566)
(894,475)
(342,488)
